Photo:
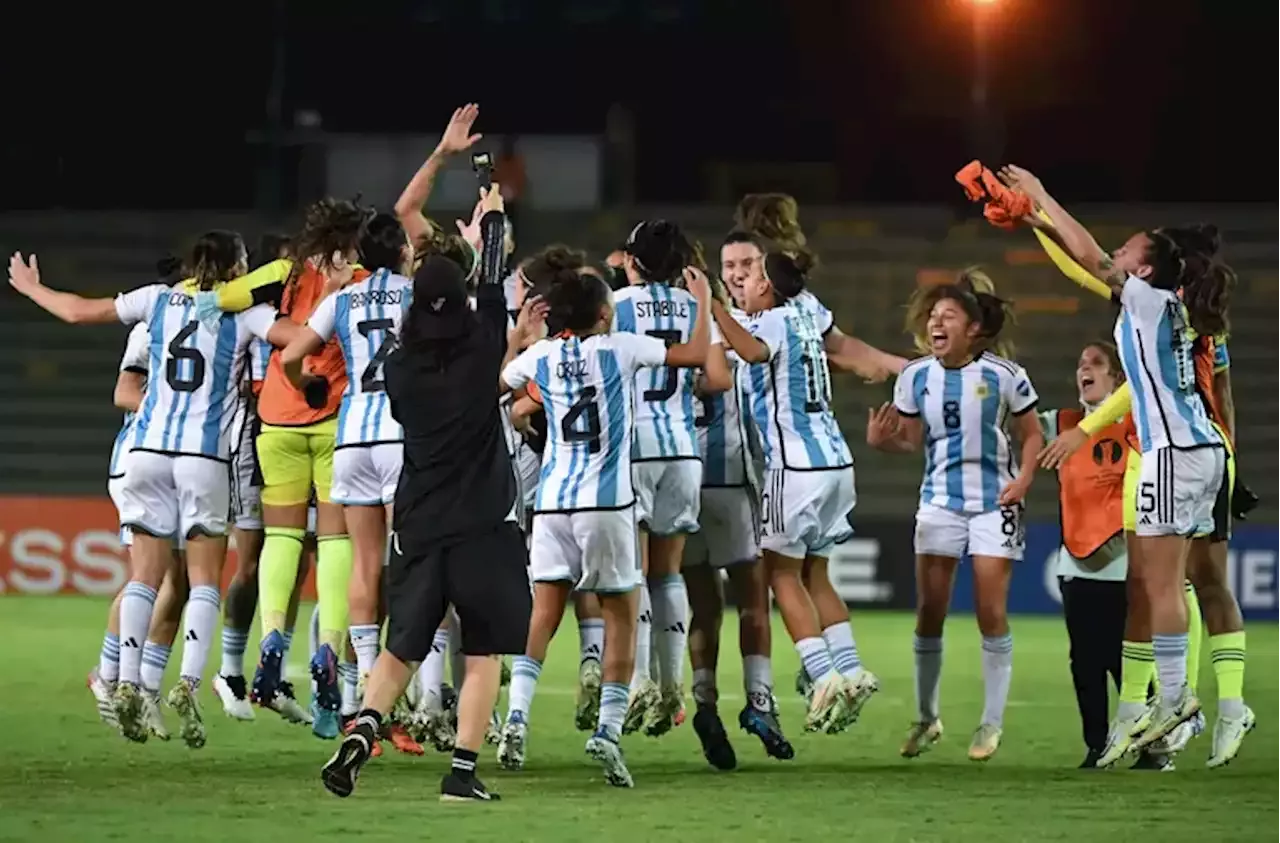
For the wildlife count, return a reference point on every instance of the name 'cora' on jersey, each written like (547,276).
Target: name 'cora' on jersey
(670,309)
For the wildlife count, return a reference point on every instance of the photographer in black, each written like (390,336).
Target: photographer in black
(455,540)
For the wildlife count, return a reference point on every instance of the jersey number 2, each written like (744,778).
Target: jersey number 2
(586,411)
(177,352)
(669,338)
(369,378)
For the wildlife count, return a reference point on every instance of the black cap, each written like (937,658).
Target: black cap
(440,303)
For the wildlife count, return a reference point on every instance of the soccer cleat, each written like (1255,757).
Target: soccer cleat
(1165,718)
(1153,761)
(860,687)
(232,693)
(921,738)
(512,742)
(804,685)
(453,788)
(986,740)
(340,773)
(1121,735)
(433,726)
(828,704)
(182,699)
(678,720)
(765,726)
(1228,736)
(349,726)
(403,741)
(587,709)
(493,732)
(327,703)
(266,678)
(603,748)
(102,692)
(644,697)
(1090,761)
(127,704)
(1177,740)
(715,741)
(152,717)
(287,706)
(661,718)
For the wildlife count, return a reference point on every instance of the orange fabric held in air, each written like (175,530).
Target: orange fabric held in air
(1091,487)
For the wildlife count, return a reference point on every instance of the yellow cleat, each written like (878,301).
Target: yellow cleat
(986,740)
(921,738)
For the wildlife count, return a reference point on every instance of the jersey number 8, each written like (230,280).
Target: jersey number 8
(951,414)
(586,410)
(178,352)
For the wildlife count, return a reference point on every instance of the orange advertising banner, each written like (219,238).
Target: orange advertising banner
(70,546)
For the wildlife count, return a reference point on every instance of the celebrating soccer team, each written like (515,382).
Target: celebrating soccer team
(666,427)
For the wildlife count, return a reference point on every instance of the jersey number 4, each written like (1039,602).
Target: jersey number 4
(369,381)
(177,352)
(582,422)
(669,338)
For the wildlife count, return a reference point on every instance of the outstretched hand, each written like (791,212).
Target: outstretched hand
(457,135)
(24,276)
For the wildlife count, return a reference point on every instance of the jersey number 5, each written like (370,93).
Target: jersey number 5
(369,378)
(669,338)
(586,410)
(177,352)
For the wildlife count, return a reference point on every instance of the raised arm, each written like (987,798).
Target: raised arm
(1049,238)
(749,348)
(24,277)
(457,138)
(850,354)
(693,354)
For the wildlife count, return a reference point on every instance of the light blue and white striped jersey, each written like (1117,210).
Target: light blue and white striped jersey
(967,458)
(822,317)
(134,359)
(192,373)
(366,318)
(259,357)
(722,431)
(587,388)
(789,395)
(665,402)
(1155,341)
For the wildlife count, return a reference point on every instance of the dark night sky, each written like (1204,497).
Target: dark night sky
(1124,100)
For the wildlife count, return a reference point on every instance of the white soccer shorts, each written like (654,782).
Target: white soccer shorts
(806,513)
(366,475)
(1177,490)
(999,533)
(595,550)
(668,495)
(246,480)
(730,529)
(175,496)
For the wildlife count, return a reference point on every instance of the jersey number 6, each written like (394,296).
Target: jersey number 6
(584,408)
(669,338)
(177,352)
(369,378)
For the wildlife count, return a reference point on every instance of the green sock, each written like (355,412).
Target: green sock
(1228,652)
(1195,637)
(335,559)
(1137,669)
(277,571)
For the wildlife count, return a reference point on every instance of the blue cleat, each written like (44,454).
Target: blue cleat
(765,726)
(266,679)
(327,702)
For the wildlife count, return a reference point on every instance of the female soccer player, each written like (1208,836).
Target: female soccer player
(808,488)
(177,482)
(584,534)
(954,404)
(667,470)
(1183,462)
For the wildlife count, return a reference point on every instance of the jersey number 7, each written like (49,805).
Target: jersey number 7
(669,338)
(369,378)
(587,411)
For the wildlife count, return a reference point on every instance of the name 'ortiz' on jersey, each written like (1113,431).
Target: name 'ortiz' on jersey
(192,373)
(665,410)
(790,393)
(366,318)
(586,387)
(722,431)
(134,360)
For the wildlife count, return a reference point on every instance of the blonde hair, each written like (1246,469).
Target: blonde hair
(994,312)
(775,218)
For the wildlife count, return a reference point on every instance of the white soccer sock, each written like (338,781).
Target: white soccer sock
(109,658)
(234,642)
(431,673)
(815,658)
(313,633)
(671,620)
(204,605)
(349,683)
(613,709)
(704,687)
(997,670)
(757,681)
(364,640)
(1171,665)
(155,660)
(524,679)
(135,619)
(844,652)
(644,640)
(928,676)
(590,639)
